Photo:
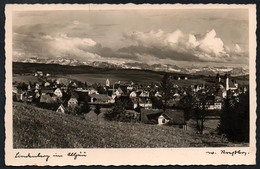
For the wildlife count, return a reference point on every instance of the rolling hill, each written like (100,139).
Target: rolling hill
(38,128)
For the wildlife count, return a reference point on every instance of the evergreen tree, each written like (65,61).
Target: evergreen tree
(166,87)
(234,120)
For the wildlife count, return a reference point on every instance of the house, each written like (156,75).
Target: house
(39,73)
(30,96)
(157,94)
(150,116)
(46,84)
(144,94)
(72,102)
(142,102)
(119,92)
(19,96)
(37,86)
(15,90)
(214,102)
(173,117)
(61,109)
(45,91)
(46,98)
(130,88)
(58,92)
(65,88)
(107,83)
(99,98)
(133,94)
(146,103)
(92,91)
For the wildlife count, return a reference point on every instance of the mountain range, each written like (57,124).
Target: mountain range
(196,70)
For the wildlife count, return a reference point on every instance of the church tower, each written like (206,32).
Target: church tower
(227,81)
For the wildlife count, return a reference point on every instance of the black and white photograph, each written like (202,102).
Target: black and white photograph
(137,78)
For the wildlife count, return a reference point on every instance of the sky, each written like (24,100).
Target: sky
(169,36)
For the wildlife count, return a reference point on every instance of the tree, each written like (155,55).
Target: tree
(97,110)
(188,104)
(200,112)
(166,87)
(85,108)
(234,121)
(157,103)
(118,113)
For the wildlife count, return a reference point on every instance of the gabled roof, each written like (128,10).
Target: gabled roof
(61,106)
(151,111)
(73,98)
(176,117)
(100,97)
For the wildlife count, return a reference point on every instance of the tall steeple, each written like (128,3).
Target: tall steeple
(227,81)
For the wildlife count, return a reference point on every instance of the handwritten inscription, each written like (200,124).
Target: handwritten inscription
(225,152)
(236,152)
(76,155)
(29,155)
(46,157)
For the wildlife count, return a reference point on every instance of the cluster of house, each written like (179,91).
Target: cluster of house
(69,94)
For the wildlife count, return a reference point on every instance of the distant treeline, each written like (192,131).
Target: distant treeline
(20,68)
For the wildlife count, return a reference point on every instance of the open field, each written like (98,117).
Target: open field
(39,128)
(127,76)
(25,78)
(114,77)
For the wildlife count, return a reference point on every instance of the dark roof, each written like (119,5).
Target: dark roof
(151,111)
(99,97)
(123,88)
(47,90)
(176,117)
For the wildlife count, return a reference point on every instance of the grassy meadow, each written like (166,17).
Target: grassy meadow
(25,78)
(38,128)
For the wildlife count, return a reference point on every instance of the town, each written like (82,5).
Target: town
(154,103)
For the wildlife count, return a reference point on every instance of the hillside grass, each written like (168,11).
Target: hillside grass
(25,78)
(38,128)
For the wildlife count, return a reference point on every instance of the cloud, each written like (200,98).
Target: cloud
(43,45)
(150,47)
(178,45)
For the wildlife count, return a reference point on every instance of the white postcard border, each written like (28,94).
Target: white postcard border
(133,156)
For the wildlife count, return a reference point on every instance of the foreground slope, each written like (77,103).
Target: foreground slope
(38,128)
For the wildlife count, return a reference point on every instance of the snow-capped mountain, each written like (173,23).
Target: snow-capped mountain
(206,70)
